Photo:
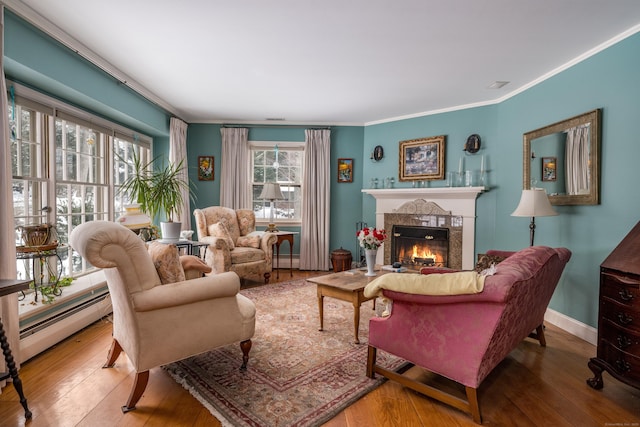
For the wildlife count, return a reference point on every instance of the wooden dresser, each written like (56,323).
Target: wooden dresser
(619,314)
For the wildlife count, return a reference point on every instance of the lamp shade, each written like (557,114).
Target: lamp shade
(271,191)
(534,202)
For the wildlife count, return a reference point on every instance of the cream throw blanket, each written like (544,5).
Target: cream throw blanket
(458,283)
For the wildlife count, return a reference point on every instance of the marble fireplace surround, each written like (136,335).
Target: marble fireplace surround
(419,206)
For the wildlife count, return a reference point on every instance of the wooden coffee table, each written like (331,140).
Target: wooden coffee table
(346,286)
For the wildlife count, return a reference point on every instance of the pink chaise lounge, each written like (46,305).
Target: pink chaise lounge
(463,337)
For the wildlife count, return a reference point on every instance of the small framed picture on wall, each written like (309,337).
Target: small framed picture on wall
(205,168)
(345,170)
(549,168)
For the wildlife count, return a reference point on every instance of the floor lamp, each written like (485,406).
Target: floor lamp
(271,191)
(533,203)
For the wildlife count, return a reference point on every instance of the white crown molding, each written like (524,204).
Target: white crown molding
(631,31)
(55,32)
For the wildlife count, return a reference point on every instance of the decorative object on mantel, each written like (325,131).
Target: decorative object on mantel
(472,145)
(422,159)
(533,203)
(371,239)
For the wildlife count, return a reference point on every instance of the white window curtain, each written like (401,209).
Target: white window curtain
(178,153)
(316,182)
(577,159)
(235,191)
(8,304)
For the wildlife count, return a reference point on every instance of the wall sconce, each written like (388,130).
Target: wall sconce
(377,154)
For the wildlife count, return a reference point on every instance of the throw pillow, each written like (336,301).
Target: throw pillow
(218,229)
(249,241)
(192,262)
(167,262)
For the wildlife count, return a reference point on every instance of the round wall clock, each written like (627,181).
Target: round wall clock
(378,153)
(473,144)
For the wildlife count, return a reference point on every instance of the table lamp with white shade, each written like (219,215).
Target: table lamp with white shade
(534,202)
(271,191)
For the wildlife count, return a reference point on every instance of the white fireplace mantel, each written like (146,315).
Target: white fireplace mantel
(460,201)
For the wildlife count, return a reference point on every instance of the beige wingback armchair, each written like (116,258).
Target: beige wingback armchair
(158,324)
(234,243)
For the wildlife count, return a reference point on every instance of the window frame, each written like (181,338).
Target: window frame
(53,110)
(282,146)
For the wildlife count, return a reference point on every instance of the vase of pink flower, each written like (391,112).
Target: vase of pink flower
(371,239)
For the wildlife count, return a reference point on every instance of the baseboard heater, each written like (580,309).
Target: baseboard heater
(42,334)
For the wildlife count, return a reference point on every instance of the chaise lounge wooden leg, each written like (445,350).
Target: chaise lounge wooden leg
(114,352)
(245,346)
(267,276)
(540,334)
(371,361)
(474,407)
(139,385)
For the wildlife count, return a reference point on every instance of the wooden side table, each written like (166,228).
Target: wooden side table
(284,236)
(8,286)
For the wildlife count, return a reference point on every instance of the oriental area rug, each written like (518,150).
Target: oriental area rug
(297,375)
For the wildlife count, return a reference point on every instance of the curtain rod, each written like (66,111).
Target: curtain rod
(278,127)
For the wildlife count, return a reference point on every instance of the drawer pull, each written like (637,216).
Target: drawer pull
(622,366)
(625,295)
(623,342)
(624,318)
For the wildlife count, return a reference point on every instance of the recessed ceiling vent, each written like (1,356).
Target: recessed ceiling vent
(497,85)
(275,119)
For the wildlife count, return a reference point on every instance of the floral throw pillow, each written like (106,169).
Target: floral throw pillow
(486,261)
(248,241)
(167,262)
(219,229)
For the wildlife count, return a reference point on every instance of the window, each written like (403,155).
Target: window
(279,162)
(62,163)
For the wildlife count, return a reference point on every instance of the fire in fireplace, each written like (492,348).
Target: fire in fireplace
(415,247)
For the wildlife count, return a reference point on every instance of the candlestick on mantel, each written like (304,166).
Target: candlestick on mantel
(482,164)
(460,166)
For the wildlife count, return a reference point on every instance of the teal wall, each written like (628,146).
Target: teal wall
(35,60)
(346,202)
(608,80)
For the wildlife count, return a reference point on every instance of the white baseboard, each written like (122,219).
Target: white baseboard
(285,262)
(574,327)
(50,336)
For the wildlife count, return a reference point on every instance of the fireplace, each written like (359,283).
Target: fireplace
(452,208)
(417,247)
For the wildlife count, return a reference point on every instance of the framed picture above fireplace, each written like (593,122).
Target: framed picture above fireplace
(422,159)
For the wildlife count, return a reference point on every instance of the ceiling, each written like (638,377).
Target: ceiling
(335,61)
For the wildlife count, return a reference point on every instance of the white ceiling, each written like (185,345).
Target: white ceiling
(336,61)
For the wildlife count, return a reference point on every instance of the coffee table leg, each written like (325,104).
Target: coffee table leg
(356,318)
(321,308)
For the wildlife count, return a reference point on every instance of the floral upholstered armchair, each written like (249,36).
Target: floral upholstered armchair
(234,243)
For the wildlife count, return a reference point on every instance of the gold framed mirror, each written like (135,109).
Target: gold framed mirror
(564,159)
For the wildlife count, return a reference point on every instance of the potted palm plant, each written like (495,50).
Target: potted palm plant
(157,191)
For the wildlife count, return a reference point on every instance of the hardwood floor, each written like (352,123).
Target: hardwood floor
(533,386)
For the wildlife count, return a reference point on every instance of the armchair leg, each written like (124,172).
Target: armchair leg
(371,361)
(139,385)
(267,276)
(114,352)
(245,346)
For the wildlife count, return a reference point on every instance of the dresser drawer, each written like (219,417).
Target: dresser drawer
(620,288)
(621,338)
(620,315)
(624,364)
